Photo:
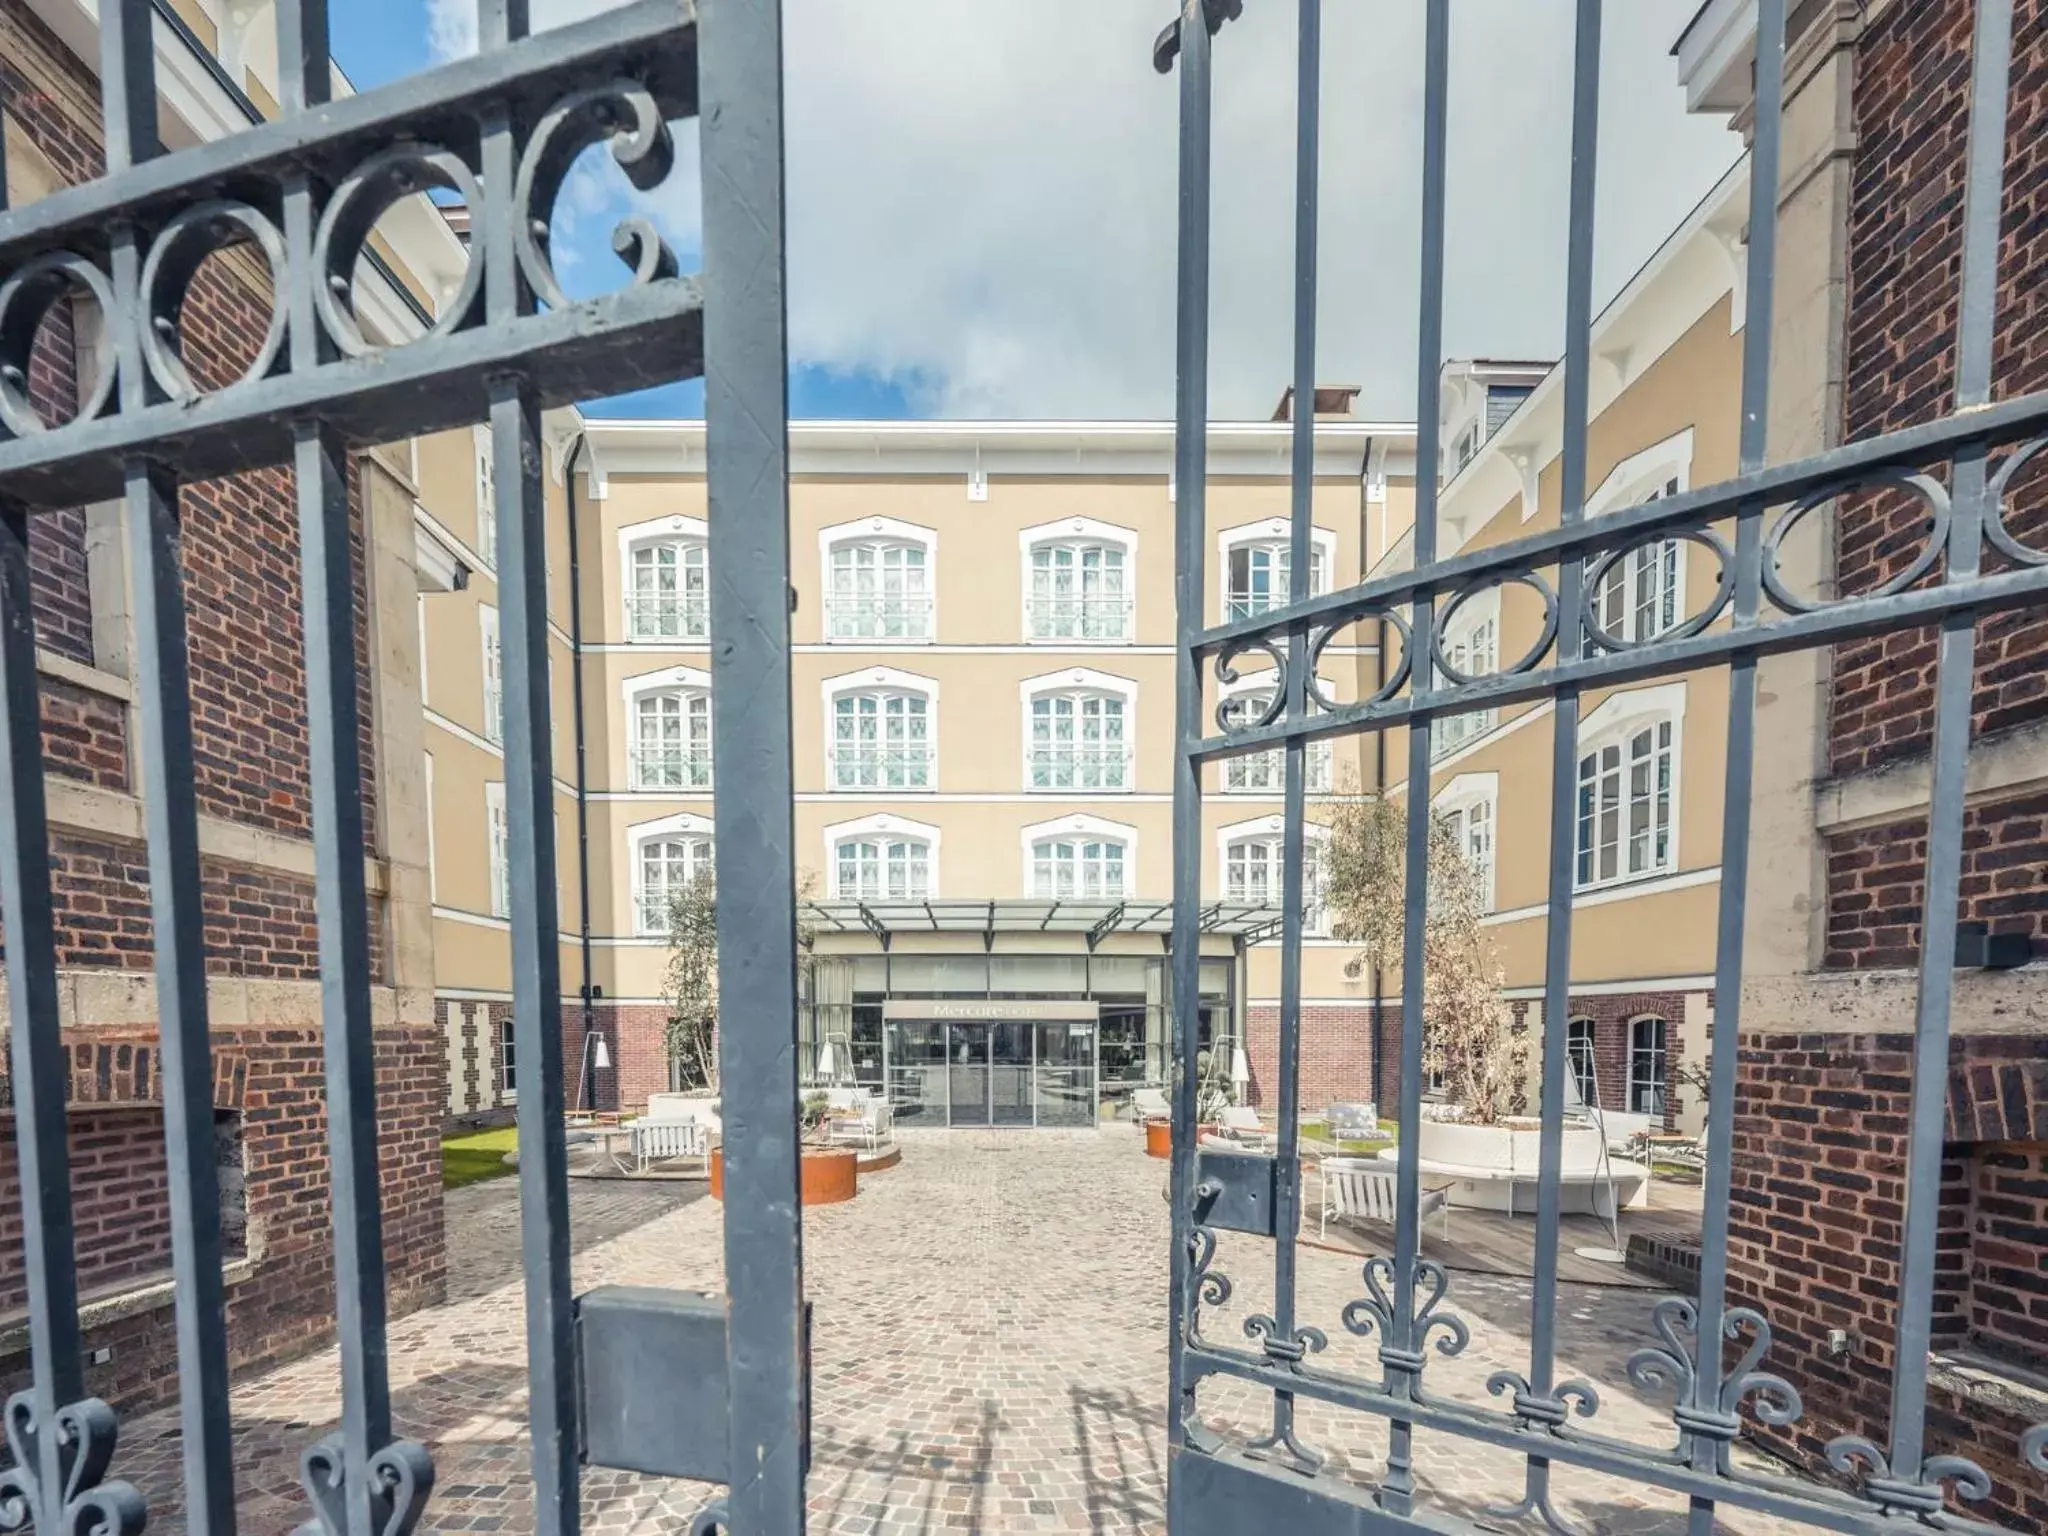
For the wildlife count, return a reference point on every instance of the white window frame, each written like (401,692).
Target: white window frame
(687,682)
(493,672)
(1276,531)
(1271,830)
(1457,801)
(1658,1053)
(498,838)
(685,826)
(1261,775)
(1662,469)
(684,533)
(486,496)
(1471,643)
(1078,828)
(879,530)
(881,680)
(1619,719)
(1081,532)
(508,1062)
(883,826)
(433,885)
(1588,1079)
(1082,683)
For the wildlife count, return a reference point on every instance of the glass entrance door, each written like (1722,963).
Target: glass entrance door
(1066,1074)
(967,1074)
(1009,1074)
(1004,1072)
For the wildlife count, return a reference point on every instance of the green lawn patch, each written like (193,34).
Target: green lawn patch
(477,1155)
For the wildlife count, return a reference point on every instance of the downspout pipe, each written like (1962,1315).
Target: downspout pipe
(587,1073)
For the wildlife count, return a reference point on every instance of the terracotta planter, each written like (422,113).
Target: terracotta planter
(826,1175)
(1159,1137)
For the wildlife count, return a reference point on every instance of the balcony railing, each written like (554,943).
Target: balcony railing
(1079,765)
(1053,617)
(1266,772)
(881,765)
(653,913)
(1453,731)
(671,767)
(878,615)
(667,615)
(1249,605)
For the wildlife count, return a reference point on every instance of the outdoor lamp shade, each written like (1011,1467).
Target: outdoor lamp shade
(1240,1068)
(602,1057)
(825,1060)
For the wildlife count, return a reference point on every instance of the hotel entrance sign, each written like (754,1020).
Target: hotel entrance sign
(995,1010)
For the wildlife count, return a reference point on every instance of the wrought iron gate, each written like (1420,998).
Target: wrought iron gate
(1409,1306)
(498,131)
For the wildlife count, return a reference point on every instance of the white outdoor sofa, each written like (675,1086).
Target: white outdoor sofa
(660,1141)
(1495,1168)
(1363,1189)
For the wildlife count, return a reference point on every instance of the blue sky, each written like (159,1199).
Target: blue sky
(981,204)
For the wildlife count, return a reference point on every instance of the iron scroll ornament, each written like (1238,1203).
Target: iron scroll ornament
(401,1477)
(1374,1313)
(1676,1365)
(86,1501)
(1923,1495)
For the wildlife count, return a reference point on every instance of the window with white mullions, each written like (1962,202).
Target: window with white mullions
(496,833)
(486,497)
(1472,825)
(881,740)
(1625,809)
(1647,1066)
(1639,594)
(1266,772)
(1077,868)
(672,740)
(1580,1058)
(1254,871)
(1079,591)
(508,1059)
(878,589)
(668,866)
(1474,649)
(494,673)
(668,594)
(1261,577)
(883,868)
(1079,741)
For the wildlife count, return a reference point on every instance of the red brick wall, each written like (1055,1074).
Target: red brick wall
(119,1192)
(1905,224)
(1336,1055)
(1817,1217)
(636,1036)
(85,735)
(1877,882)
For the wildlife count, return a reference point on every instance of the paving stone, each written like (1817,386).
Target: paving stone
(990,1326)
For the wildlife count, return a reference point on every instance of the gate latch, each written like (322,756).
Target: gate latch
(653,1387)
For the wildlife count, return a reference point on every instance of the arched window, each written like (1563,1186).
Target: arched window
(882,738)
(1079,581)
(1254,872)
(1257,567)
(667,580)
(672,739)
(878,580)
(1078,731)
(667,865)
(1466,806)
(1642,593)
(883,867)
(1646,1066)
(1265,773)
(1625,805)
(1472,645)
(1579,1056)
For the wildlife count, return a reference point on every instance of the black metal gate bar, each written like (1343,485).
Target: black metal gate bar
(746,407)
(128,105)
(1713,1315)
(1541,1400)
(1401,1341)
(1189,36)
(1283,1340)
(1917,1479)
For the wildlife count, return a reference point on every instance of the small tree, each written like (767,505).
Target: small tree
(690,986)
(1468,1035)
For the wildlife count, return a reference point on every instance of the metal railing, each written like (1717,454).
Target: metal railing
(1266,772)
(671,767)
(667,616)
(1078,765)
(878,616)
(873,766)
(1105,618)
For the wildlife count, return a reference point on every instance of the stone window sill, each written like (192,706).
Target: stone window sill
(79,675)
(1994,1384)
(127,1297)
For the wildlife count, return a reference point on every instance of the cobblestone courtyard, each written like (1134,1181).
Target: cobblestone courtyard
(990,1322)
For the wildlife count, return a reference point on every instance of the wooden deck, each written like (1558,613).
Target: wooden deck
(1487,1242)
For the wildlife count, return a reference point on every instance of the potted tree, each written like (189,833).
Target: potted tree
(1212,1097)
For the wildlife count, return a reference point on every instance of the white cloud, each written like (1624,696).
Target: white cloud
(983,196)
